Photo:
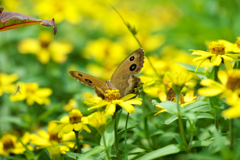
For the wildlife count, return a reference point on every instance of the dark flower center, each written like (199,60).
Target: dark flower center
(233,83)
(8,144)
(54,137)
(75,118)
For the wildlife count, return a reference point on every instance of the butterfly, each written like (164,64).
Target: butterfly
(123,79)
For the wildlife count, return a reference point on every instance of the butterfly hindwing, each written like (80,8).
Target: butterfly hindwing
(126,84)
(130,65)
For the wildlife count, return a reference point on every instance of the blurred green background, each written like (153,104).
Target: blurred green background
(92,38)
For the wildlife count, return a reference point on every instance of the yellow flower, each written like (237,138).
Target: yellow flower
(66,10)
(10,144)
(98,120)
(74,122)
(32,93)
(6,83)
(179,80)
(233,111)
(217,54)
(229,86)
(45,48)
(170,96)
(54,152)
(232,47)
(47,138)
(72,104)
(112,98)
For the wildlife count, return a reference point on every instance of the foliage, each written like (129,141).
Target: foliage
(38,97)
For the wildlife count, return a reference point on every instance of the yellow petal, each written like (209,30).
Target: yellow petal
(228,65)
(65,119)
(134,101)
(232,98)
(110,109)
(161,111)
(232,112)
(223,77)
(58,128)
(216,60)
(228,58)
(101,104)
(60,134)
(200,64)
(128,107)
(210,92)
(211,83)
(68,128)
(85,127)
(77,126)
(127,97)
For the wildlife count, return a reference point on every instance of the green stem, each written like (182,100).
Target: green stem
(116,136)
(231,132)
(106,148)
(134,35)
(216,120)
(216,69)
(126,151)
(180,124)
(77,141)
(190,142)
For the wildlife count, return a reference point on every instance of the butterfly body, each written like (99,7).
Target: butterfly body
(123,78)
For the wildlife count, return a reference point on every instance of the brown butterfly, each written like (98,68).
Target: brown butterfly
(123,78)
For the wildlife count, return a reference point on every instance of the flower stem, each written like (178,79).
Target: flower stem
(216,69)
(180,124)
(231,132)
(115,135)
(77,141)
(134,35)
(126,155)
(106,148)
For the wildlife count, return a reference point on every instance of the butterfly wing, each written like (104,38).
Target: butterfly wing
(126,84)
(130,65)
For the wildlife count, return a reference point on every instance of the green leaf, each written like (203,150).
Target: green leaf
(170,106)
(109,134)
(16,120)
(12,157)
(158,132)
(172,118)
(200,143)
(120,133)
(93,151)
(49,112)
(199,106)
(167,150)
(201,157)
(178,139)
(14,20)
(205,115)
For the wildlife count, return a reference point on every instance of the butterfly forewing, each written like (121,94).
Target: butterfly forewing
(131,65)
(87,79)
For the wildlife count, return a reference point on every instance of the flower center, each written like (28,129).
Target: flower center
(75,119)
(217,48)
(171,96)
(54,137)
(8,144)
(112,95)
(233,83)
